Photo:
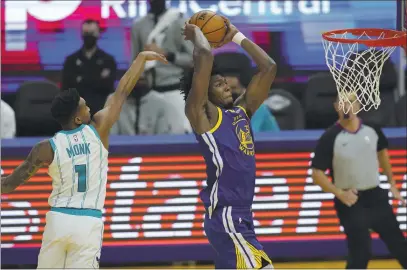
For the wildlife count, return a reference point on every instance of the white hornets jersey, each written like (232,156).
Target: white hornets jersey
(79,169)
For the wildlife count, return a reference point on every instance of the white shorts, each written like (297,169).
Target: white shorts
(71,241)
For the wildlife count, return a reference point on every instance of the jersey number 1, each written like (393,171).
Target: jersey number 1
(81,171)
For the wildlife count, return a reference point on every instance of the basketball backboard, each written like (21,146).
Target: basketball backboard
(402,25)
(402,15)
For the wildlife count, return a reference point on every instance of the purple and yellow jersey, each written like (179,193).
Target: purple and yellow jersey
(228,150)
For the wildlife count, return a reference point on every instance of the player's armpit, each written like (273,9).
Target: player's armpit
(41,154)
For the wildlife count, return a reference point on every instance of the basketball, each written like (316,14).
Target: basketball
(212,26)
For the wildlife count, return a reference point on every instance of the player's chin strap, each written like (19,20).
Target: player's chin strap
(238,38)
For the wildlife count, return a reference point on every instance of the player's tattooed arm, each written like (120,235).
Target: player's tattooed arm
(41,154)
(197,106)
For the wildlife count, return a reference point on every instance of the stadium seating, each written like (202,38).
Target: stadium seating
(32,108)
(384,116)
(286,109)
(320,95)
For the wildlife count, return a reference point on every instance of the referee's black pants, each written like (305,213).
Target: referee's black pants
(371,211)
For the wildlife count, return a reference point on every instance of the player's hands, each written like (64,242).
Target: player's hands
(397,195)
(151,56)
(348,197)
(231,32)
(189,31)
(153,47)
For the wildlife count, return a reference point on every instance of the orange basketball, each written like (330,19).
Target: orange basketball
(212,26)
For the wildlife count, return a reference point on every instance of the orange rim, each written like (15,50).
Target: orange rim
(391,38)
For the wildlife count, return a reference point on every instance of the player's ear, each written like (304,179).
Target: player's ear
(78,121)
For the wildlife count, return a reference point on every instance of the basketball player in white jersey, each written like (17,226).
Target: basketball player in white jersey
(77,161)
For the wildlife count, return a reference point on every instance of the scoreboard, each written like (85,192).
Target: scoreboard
(153,200)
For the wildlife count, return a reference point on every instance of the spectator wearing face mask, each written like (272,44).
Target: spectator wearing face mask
(161,31)
(146,112)
(90,70)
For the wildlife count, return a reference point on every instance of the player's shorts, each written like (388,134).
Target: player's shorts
(72,239)
(230,231)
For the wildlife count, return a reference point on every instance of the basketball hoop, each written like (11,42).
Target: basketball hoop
(355,58)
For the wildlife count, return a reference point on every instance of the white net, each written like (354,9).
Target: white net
(356,70)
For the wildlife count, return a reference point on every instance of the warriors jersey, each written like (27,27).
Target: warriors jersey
(228,150)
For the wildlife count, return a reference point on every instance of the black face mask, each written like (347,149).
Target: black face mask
(157,6)
(89,41)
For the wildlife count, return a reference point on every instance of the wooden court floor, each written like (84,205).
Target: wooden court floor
(374,264)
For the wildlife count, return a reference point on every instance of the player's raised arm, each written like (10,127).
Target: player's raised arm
(105,119)
(259,86)
(197,106)
(40,155)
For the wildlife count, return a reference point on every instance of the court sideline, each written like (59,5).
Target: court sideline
(374,264)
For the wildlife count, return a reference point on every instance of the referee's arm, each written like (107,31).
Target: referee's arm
(322,161)
(383,156)
(384,162)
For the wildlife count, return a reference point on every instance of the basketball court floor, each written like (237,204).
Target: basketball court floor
(374,264)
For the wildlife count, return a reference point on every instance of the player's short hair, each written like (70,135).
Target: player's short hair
(64,106)
(186,80)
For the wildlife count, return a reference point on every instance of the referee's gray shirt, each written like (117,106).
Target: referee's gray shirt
(351,157)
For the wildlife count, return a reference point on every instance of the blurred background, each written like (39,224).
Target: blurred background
(152,213)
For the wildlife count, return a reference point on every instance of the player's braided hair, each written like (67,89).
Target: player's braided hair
(186,80)
(64,106)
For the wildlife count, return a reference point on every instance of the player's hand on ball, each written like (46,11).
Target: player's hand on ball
(348,197)
(189,31)
(231,32)
(151,56)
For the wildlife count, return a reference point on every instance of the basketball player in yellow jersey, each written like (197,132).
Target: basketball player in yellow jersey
(77,163)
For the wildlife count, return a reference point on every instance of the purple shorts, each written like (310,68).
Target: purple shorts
(230,231)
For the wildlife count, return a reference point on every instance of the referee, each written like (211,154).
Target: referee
(353,151)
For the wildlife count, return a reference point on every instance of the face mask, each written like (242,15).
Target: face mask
(157,6)
(89,41)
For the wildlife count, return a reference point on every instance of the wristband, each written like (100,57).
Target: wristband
(238,38)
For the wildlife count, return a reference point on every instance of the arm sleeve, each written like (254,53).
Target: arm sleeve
(382,142)
(323,153)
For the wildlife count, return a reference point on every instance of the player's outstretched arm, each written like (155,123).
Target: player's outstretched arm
(105,119)
(41,154)
(260,85)
(197,106)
